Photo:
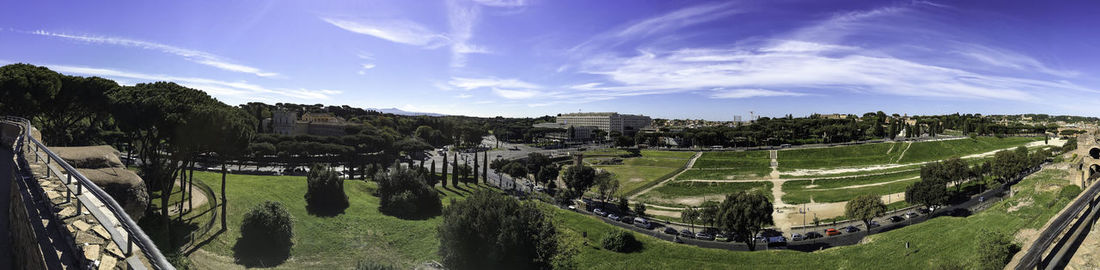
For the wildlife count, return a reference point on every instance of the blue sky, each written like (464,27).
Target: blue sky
(671,59)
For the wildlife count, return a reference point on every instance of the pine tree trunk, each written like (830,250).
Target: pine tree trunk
(225,202)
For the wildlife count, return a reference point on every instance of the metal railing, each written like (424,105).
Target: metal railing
(1034,258)
(130,235)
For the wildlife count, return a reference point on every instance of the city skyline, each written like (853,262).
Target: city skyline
(698,60)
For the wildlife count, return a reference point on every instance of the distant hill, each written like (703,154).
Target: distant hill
(402,112)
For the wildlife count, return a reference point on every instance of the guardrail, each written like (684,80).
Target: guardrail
(130,235)
(1034,257)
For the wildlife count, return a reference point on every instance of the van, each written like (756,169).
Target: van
(643,223)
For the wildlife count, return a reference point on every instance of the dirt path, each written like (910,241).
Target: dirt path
(810,172)
(198,200)
(910,144)
(691,163)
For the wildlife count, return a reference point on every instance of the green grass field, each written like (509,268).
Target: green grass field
(890,153)
(943,242)
(931,151)
(361,233)
(746,161)
(849,181)
(842,195)
(639,172)
(668,193)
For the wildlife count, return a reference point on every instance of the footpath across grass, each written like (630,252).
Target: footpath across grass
(360,233)
(670,193)
(638,172)
(943,242)
(892,153)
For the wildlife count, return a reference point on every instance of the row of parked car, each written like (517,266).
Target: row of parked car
(639,222)
(855,228)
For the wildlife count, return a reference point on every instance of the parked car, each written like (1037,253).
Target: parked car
(873,224)
(573,207)
(643,223)
(910,214)
(896,219)
(831,232)
(704,236)
(721,237)
(923,211)
(670,230)
(813,235)
(613,217)
(687,233)
(797,237)
(851,229)
(627,219)
(599,212)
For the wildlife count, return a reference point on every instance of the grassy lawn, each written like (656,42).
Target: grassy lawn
(734,160)
(668,193)
(930,151)
(639,172)
(943,241)
(881,153)
(848,181)
(840,156)
(797,196)
(361,233)
(724,174)
(858,173)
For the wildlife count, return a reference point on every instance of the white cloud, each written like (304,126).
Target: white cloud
(664,23)
(748,93)
(218,88)
(824,68)
(503,3)
(364,67)
(398,31)
(196,56)
(516,94)
(474,83)
(462,17)
(464,96)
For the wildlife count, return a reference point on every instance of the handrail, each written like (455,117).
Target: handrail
(1034,255)
(148,248)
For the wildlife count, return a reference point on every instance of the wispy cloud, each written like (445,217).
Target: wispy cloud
(516,93)
(748,93)
(503,3)
(659,24)
(475,83)
(399,31)
(217,88)
(196,56)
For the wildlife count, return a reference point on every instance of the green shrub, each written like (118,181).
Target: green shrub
(405,193)
(267,233)
(325,191)
(620,241)
(1070,192)
(995,249)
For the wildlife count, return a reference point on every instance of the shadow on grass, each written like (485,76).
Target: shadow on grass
(327,210)
(154,227)
(261,252)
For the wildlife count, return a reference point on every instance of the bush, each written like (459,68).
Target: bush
(1069,192)
(620,241)
(490,230)
(405,193)
(325,192)
(267,233)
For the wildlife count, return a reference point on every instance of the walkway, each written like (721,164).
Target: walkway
(691,163)
(6,170)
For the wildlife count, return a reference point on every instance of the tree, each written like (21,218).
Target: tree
(865,207)
(443,180)
(475,171)
(926,193)
(744,214)
(606,185)
(624,204)
(546,174)
(152,115)
(267,234)
(485,167)
(405,193)
(708,212)
(226,131)
(690,214)
(454,171)
(431,179)
(620,241)
(579,178)
(325,191)
(493,231)
(639,209)
(78,113)
(27,89)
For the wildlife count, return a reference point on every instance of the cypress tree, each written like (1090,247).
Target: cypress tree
(475,168)
(485,168)
(454,167)
(444,181)
(432,176)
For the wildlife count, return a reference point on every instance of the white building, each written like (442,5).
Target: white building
(627,124)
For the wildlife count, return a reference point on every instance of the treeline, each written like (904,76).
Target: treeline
(820,129)
(1007,166)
